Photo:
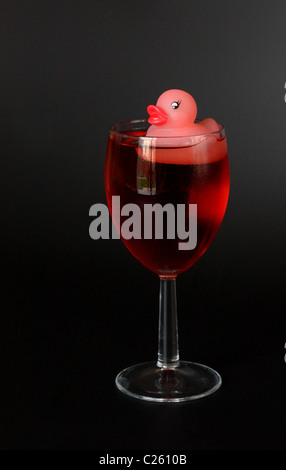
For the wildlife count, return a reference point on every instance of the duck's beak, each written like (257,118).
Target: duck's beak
(157,115)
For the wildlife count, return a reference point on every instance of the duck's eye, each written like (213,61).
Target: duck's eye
(175,104)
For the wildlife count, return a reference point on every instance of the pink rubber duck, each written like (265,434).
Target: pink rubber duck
(175,137)
(174,115)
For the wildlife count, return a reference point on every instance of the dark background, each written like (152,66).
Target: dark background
(75,311)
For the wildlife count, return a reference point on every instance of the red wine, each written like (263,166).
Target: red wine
(141,181)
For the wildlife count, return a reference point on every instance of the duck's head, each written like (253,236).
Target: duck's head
(174,109)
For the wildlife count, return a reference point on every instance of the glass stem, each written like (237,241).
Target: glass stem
(168,345)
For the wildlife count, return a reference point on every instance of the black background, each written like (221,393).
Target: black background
(75,311)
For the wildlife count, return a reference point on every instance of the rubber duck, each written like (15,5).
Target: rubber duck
(175,137)
(174,116)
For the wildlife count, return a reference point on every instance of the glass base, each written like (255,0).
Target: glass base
(187,381)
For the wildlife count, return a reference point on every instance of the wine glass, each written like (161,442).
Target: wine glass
(190,173)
